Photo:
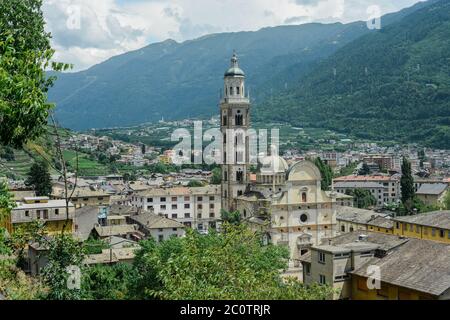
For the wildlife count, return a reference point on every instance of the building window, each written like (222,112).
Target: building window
(397,225)
(224,120)
(238,90)
(240,193)
(163,207)
(200,206)
(212,198)
(321,257)
(239,120)
(304,218)
(239,176)
(27,213)
(187,198)
(304,197)
(163,199)
(322,279)
(187,215)
(351,229)
(174,199)
(160,238)
(211,214)
(307,269)
(187,206)
(343,228)
(199,198)
(56,212)
(149,199)
(174,207)
(442,233)
(211,205)
(174,216)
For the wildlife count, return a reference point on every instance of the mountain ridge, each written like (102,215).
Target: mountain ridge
(179,80)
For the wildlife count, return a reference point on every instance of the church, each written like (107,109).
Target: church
(286,203)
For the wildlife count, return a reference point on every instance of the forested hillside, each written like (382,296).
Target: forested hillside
(393,83)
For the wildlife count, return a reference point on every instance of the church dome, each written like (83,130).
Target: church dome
(273,165)
(234,69)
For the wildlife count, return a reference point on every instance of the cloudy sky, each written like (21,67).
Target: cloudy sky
(86,32)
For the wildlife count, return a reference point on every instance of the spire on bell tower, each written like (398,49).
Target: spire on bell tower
(234,60)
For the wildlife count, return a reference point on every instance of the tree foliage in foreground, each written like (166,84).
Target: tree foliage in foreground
(26,54)
(233,265)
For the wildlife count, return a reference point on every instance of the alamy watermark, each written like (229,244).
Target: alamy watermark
(227,146)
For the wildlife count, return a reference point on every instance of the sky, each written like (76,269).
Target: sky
(87,32)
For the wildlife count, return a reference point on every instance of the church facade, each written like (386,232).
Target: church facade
(286,202)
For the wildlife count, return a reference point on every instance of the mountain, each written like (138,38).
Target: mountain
(390,84)
(178,80)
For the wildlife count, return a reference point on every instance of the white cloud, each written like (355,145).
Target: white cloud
(111,27)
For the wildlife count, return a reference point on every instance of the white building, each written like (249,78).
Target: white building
(198,208)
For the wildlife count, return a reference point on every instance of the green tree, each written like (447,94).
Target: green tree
(326,172)
(365,170)
(446,203)
(39,178)
(231,217)
(104,282)
(216,176)
(233,265)
(407,185)
(195,184)
(6,202)
(63,252)
(26,54)
(362,199)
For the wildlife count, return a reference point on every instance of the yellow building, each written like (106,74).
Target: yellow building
(84,197)
(376,266)
(386,291)
(51,212)
(416,270)
(351,219)
(433,226)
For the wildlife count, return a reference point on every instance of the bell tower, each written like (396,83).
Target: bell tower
(235,121)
